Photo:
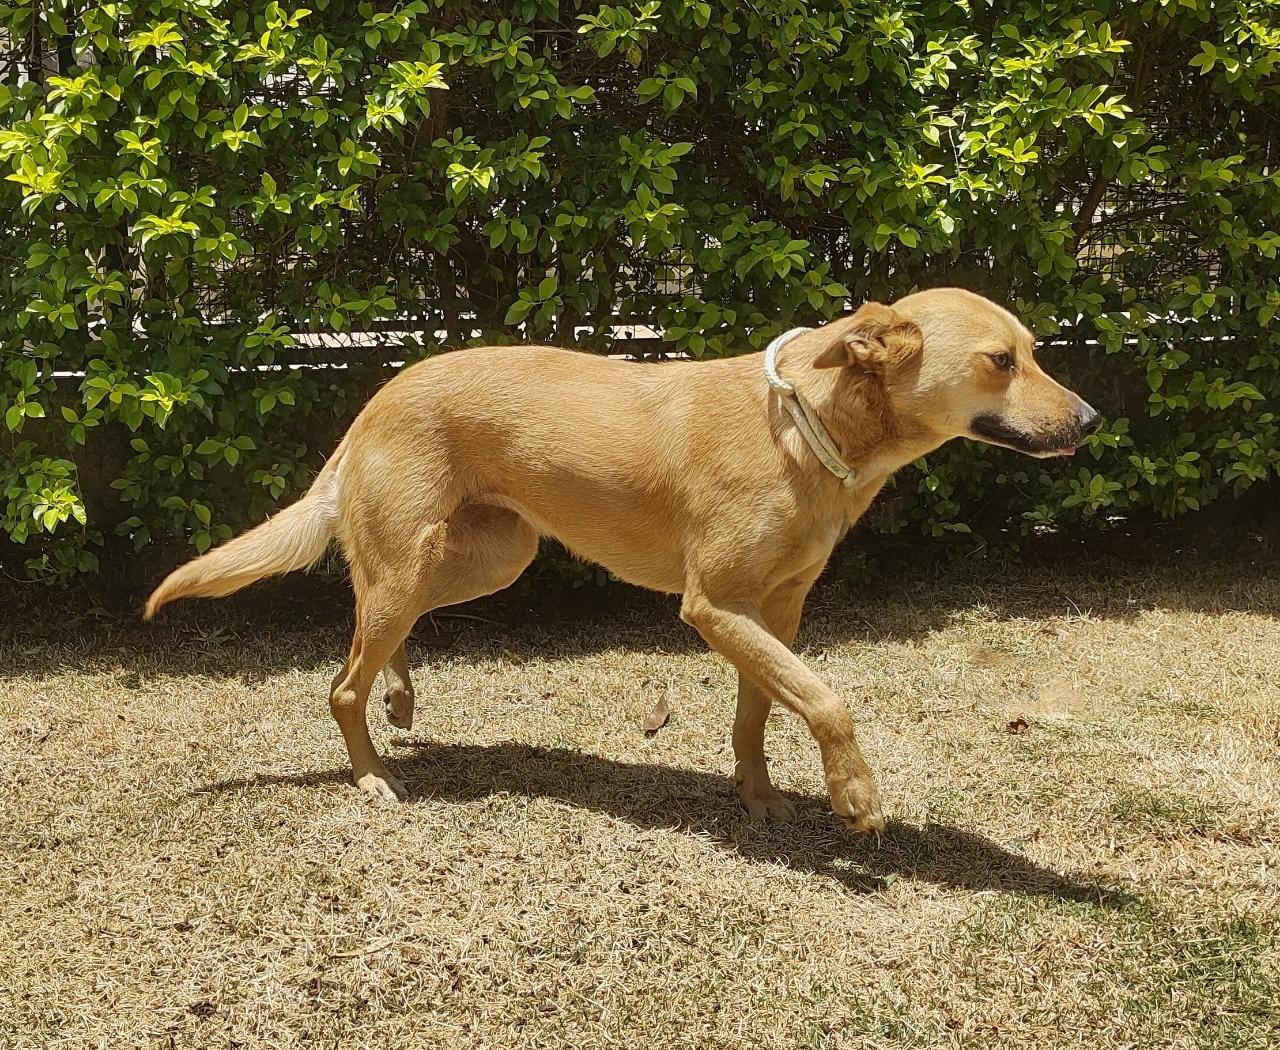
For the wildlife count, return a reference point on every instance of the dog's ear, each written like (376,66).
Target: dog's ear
(876,339)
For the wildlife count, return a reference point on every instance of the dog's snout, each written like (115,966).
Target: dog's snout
(1089,419)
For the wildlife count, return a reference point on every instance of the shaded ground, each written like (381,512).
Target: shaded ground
(1080,762)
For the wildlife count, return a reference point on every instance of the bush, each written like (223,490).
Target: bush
(199,197)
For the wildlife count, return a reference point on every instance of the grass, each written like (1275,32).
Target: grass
(1080,761)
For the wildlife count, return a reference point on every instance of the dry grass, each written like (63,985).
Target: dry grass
(185,865)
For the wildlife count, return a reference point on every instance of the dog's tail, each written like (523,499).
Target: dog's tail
(293,539)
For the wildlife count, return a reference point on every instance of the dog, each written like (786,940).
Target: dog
(728,482)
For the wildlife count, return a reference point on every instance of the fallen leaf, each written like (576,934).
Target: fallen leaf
(1018,726)
(657,717)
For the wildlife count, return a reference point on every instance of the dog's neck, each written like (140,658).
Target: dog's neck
(857,411)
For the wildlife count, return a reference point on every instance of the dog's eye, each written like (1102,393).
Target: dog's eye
(1003,361)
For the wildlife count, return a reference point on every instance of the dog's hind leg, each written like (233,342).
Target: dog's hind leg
(398,699)
(762,801)
(370,649)
(485,549)
(389,593)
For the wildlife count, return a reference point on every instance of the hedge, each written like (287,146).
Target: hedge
(200,197)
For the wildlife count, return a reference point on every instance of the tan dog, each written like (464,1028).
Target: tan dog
(691,478)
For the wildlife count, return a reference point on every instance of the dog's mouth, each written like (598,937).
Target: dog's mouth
(997,431)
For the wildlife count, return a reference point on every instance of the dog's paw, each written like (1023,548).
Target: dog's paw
(857,802)
(399,708)
(766,803)
(384,787)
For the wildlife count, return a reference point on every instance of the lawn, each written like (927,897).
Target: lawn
(1080,760)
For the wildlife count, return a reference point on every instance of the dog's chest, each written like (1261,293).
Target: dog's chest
(808,547)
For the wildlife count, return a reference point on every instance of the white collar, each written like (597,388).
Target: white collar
(806,420)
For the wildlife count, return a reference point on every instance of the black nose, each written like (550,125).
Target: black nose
(1089,419)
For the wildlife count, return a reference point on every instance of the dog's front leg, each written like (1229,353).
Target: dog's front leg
(782,611)
(759,797)
(738,633)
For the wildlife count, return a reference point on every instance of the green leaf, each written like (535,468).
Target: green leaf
(518,311)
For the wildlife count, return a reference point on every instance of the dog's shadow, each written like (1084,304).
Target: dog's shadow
(703,804)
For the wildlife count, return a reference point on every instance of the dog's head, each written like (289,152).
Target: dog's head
(953,364)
